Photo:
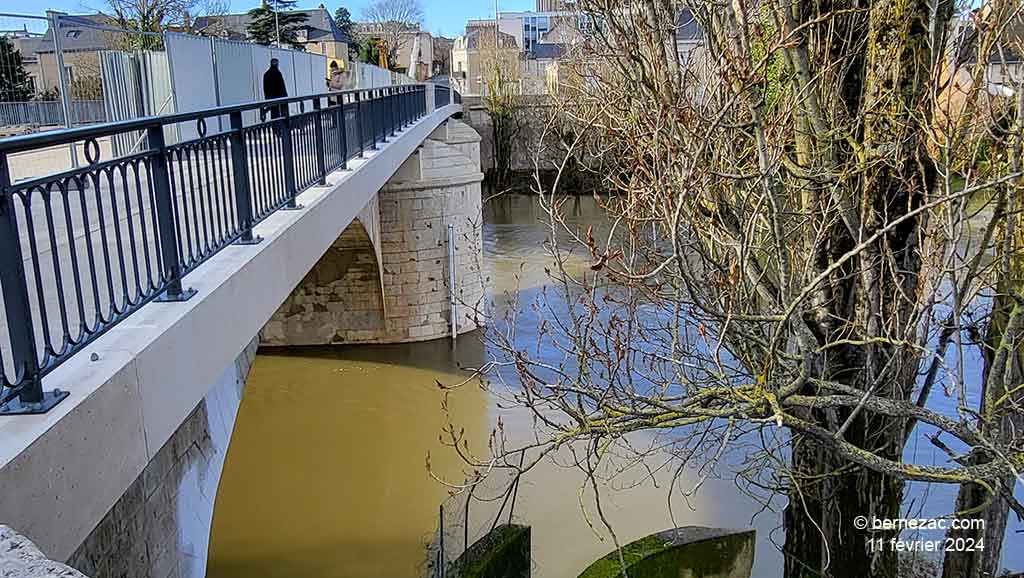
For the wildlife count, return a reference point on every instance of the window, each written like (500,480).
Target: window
(533,28)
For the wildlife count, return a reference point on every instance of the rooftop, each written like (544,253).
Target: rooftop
(319,25)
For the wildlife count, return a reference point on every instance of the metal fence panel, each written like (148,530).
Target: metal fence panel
(49,113)
(300,68)
(121,95)
(235,74)
(193,76)
(157,91)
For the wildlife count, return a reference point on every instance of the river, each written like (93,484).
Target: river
(326,474)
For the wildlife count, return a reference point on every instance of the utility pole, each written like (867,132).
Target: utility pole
(277,26)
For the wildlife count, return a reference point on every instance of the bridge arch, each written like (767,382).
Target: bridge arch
(403,232)
(341,299)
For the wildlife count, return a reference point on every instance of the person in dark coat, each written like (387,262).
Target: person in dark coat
(274,87)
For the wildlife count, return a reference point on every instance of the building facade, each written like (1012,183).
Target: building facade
(471,52)
(81,42)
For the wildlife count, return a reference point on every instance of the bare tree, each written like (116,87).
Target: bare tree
(502,99)
(1000,412)
(160,15)
(389,19)
(805,235)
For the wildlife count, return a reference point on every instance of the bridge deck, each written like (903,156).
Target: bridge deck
(131,388)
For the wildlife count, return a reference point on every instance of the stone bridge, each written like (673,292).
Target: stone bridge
(119,478)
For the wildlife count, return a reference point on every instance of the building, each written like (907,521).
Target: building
(689,36)
(81,40)
(543,38)
(554,5)
(318,34)
(415,54)
(442,65)
(471,50)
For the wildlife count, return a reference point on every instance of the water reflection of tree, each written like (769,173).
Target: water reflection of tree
(794,264)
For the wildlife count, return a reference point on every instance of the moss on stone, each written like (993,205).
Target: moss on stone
(692,552)
(502,553)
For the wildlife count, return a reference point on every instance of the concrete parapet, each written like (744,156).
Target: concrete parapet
(160,527)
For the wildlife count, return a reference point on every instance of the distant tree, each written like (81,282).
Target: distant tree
(343,20)
(503,101)
(15,83)
(369,50)
(272,23)
(390,18)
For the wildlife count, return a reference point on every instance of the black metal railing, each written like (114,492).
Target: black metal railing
(85,248)
(443,95)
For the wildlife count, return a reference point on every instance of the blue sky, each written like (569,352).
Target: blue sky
(445,16)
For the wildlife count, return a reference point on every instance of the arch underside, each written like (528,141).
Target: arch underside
(340,300)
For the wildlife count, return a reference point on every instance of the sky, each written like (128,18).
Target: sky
(447,17)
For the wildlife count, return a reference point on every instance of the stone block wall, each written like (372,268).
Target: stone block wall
(399,293)
(339,301)
(414,252)
(160,527)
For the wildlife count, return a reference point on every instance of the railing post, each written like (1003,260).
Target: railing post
(382,108)
(408,105)
(393,109)
(166,221)
(343,130)
(373,119)
(31,397)
(359,121)
(321,161)
(240,174)
(401,107)
(290,188)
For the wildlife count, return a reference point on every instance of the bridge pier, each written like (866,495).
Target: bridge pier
(385,278)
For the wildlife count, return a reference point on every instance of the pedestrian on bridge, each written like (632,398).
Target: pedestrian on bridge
(273,87)
(335,82)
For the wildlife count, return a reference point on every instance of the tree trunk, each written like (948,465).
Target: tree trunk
(973,500)
(982,563)
(822,537)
